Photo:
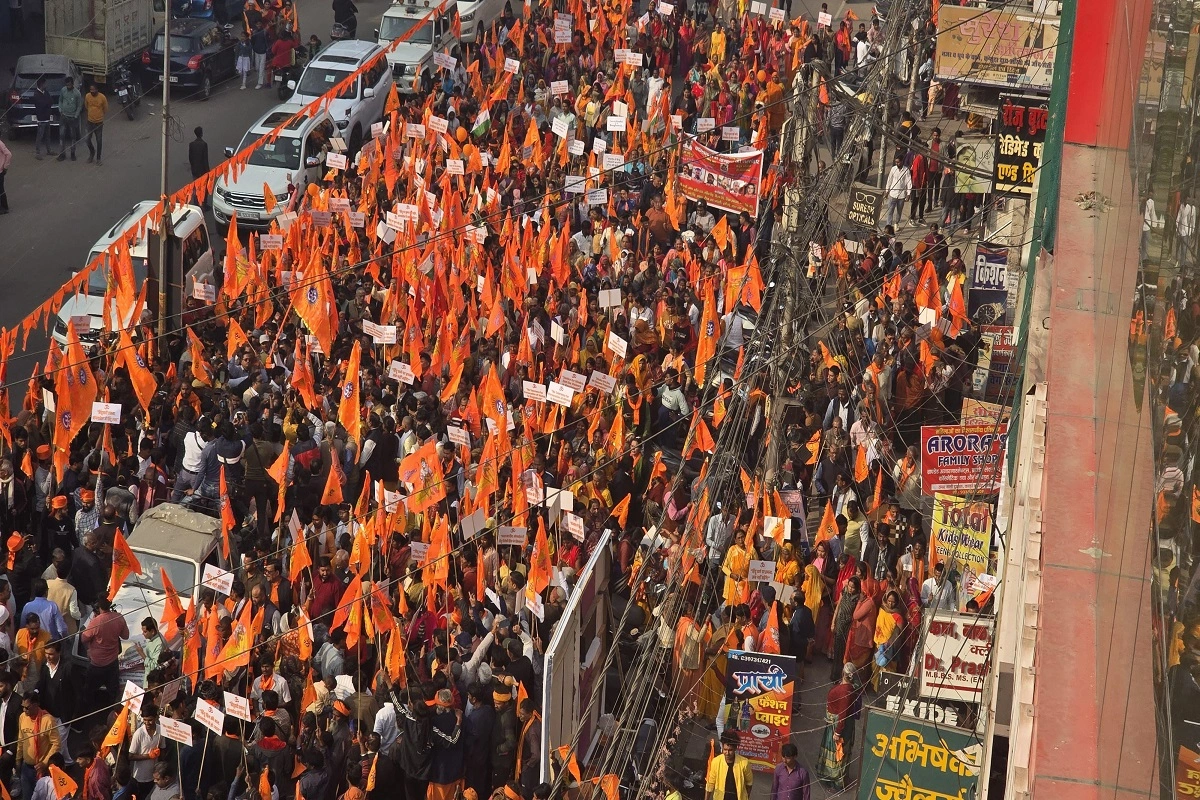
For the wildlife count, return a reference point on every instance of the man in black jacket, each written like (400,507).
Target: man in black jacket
(505,733)
(198,157)
(58,685)
(87,574)
(477,734)
(10,725)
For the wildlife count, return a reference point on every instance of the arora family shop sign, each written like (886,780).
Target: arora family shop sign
(1019,142)
(758,693)
(956,656)
(962,458)
(906,759)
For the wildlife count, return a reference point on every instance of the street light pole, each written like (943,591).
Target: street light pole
(164,228)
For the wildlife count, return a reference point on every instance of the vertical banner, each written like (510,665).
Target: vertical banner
(758,696)
(961,536)
(730,181)
(1019,141)
(907,758)
(987,298)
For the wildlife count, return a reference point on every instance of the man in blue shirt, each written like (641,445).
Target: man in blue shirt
(48,612)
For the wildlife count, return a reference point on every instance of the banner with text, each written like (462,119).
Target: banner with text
(961,536)
(730,181)
(962,458)
(987,299)
(758,698)
(995,48)
(908,758)
(956,657)
(1019,139)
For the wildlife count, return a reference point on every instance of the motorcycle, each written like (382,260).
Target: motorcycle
(129,90)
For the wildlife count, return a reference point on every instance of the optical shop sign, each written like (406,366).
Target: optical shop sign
(758,693)
(909,759)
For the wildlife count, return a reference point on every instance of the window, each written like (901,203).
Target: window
(318,80)
(283,152)
(180,45)
(394,27)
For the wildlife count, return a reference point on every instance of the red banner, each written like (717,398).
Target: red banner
(730,181)
(962,458)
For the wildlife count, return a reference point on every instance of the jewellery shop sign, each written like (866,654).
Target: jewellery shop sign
(905,759)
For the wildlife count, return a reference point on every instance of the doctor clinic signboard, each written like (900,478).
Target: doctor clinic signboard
(758,692)
(959,459)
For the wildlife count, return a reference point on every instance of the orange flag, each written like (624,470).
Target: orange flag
(814,448)
(395,661)
(193,644)
(539,561)
(877,498)
(75,391)
(827,529)
(311,299)
(299,561)
(348,413)
(227,520)
(958,310)
(264,783)
(926,293)
(302,378)
(144,384)
(236,652)
(1195,504)
(861,471)
(423,470)
(353,592)
(568,758)
(720,234)
(701,438)
(770,634)
(236,338)
(117,733)
(621,511)
(64,785)
(201,371)
(710,331)
(124,564)
(332,495)
(172,607)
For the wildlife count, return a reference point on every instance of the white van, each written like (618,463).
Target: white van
(296,157)
(354,110)
(432,30)
(478,15)
(189,255)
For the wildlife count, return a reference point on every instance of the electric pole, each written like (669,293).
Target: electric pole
(164,227)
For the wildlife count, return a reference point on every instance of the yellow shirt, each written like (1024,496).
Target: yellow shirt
(96,105)
(38,741)
(718,773)
(716,46)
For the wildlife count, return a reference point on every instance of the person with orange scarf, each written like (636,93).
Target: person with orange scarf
(446,766)
(38,740)
(528,747)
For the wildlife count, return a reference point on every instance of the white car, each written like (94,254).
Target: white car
(189,254)
(355,110)
(428,30)
(285,165)
(478,15)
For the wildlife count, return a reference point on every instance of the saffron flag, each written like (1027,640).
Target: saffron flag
(770,634)
(710,332)
(227,519)
(172,607)
(117,732)
(144,383)
(124,564)
(64,785)
(348,404)
(827,529)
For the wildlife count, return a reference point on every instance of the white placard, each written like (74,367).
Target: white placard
(574,184)
(321,219)
(825,18)
(620,108)
(419,551)
(770,523)
(394,221)
(599,146)
(512,65)
(376,132)
(210,717)
(705,124)
(605,383)
(757,7)
(597,197)
(175,730)
(314,345)
(562,36)
(336,161)
(575,380)
(610,298)
(339,205)
(445,61)
(338,144)
(559,87)
(237,707)
(730,133)
(414,130)
(204,292)
(574,525)
(559,127)
(533,601)
(270,241)
(439,124)
(106,413)
(613,161)
(131,696)
(616,124)
(677,122)
(217,579)
(358,219)
(619,55)
(294,526)
(618,345)
(776,15)
(381,334)
(473,524)
(761,571)
(81,323)
(458,436)
(575,147)
(399,371)
(391,500)
(633,59)
(560,394)
(558,334)
(666,9)
(533,391)
(508,535)
(455,166)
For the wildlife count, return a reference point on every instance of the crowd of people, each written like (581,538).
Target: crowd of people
(369,403)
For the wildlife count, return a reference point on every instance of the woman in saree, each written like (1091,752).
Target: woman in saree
(843,619)
(712,684)
(860,644)
(889,624)
(827,571)
(787,567)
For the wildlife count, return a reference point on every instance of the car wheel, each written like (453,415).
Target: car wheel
(205,86)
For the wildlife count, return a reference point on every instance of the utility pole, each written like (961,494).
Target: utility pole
(164,227)
(913,65)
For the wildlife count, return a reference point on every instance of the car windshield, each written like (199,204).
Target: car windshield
(54,81)
(98,280)
(394,27)
(179,44)
(318,80)
(182,573)
(284,152)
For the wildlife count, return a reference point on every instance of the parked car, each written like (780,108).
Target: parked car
(222,11)
(353,110)
(425,30)
(478,15)
(202,55)
(55,69)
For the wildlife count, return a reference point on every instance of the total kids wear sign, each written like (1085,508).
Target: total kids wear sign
(962,458)
(956,657)
(961,535)
(729,181)
(758,695)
